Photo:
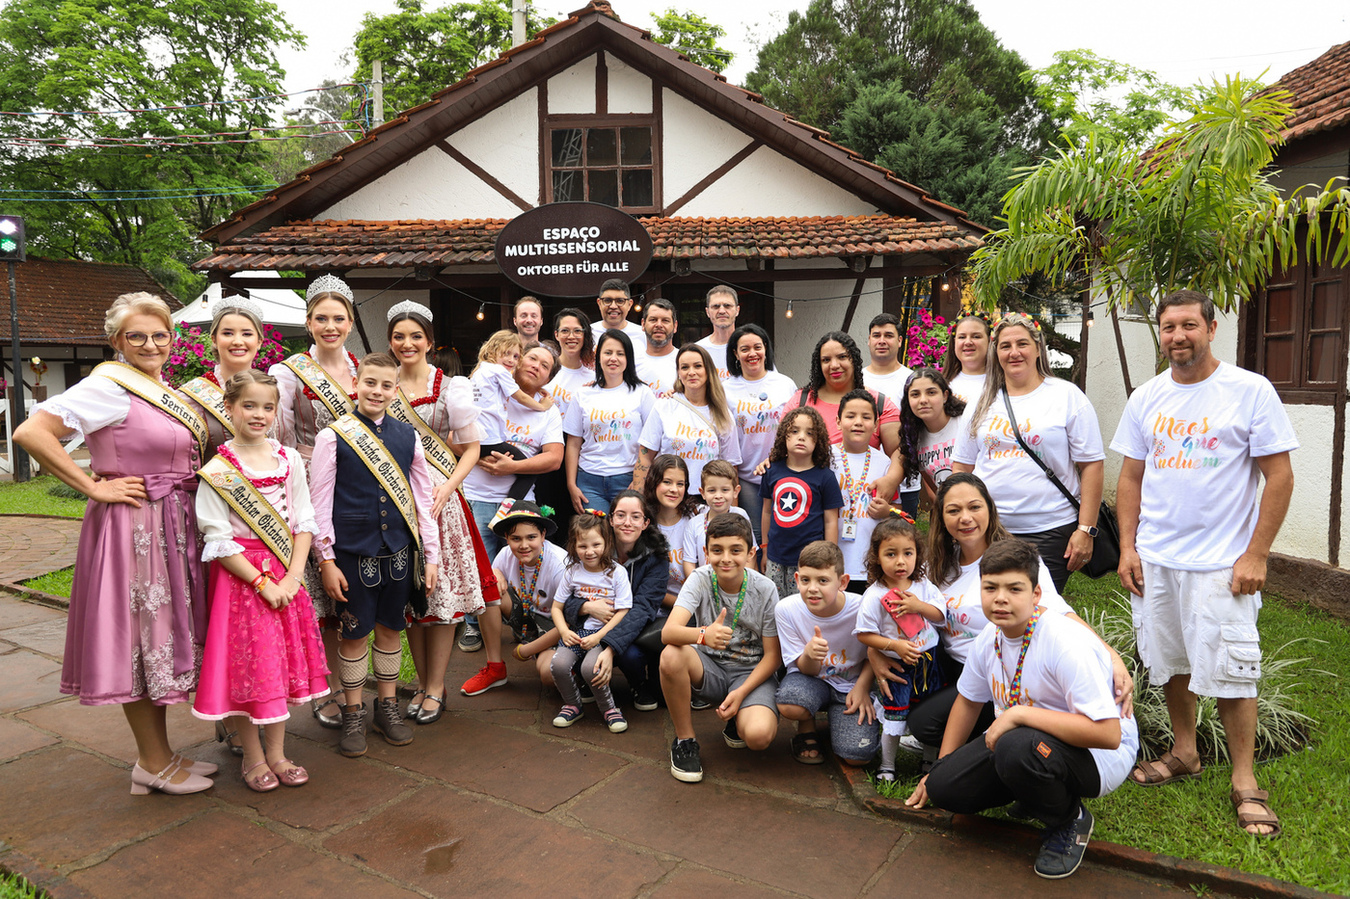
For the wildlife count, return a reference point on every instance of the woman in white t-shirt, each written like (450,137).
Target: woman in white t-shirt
(1056,420)
(603,424)
(967,357)
(695,422)
(930,415)
(968,525)
(757,395)
(576,353)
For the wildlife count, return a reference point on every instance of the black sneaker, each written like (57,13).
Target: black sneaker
(699,705)
(644,700)
(732,735)
(684,761)
(471,640)
(1063,847)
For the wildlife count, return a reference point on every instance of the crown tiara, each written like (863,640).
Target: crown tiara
(328,284)
(242,304)
(408,306)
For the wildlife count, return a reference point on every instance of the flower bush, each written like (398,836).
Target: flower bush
(191,354)
(926,340)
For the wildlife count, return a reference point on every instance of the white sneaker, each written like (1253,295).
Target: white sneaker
(910,743)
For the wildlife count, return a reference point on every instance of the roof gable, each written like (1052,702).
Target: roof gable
(552,51)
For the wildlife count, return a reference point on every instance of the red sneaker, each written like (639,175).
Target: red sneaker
(493,674)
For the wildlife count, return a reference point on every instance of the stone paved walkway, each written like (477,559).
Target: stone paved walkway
(34,546)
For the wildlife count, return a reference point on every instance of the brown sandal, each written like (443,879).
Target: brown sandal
(1266,816)
(1176,770)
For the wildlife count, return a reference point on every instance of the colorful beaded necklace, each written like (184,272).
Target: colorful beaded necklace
(1015,686)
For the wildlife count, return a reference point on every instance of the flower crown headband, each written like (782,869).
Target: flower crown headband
(1018,319)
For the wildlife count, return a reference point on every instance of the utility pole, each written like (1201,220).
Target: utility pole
(377,82)
(517,22)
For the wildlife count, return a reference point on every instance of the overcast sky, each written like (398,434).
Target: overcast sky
(1182,40)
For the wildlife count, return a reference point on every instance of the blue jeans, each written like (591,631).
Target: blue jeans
(482,514)
(600,490)
(753,505)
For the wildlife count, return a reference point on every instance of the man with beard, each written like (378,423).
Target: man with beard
(528,319)
(614,301)
(656,366)
(1197,439)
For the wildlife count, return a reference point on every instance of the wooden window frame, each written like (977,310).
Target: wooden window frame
(586,122)
(1302,280)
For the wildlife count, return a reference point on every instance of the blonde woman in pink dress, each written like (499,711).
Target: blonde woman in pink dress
(318,387)
(466,582)
(263,650)
(138,602)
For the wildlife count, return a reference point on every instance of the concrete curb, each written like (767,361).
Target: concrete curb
(47,881)
(1180,871)
(60,603)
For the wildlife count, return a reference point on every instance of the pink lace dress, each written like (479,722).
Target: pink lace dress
(465,581)
(258,660)
(138,603)
(300,417)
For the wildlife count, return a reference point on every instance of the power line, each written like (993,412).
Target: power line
(134,111)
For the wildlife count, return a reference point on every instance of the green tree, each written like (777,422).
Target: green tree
(171,154)
(694,36)
(1197,210)
(1090,94)
(424,51)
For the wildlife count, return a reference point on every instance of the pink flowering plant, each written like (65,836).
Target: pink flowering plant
(191,355)
(926,339)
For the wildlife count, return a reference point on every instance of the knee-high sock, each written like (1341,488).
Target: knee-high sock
(353,671)
(889,744)
(387,663)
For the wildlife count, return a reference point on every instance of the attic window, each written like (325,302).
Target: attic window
(613,165)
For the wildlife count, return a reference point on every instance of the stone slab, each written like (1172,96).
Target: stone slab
(16,738)
(219,854)
(27,679)
(449,843)
(730,830)
(688,880)
(18,613)
(46,637)
(104,729)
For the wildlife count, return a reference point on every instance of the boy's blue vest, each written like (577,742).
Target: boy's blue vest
(366,521)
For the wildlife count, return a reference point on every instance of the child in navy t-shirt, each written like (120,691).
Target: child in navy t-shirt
(801,495)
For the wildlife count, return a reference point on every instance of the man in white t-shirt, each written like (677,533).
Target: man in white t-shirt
(722,307)
(887,376)
(615,300)
(1194,541)
(528,319)
(656,366)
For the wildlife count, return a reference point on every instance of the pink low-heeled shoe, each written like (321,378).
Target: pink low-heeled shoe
(294,776)
(263,783)
(205,769)
(142,781)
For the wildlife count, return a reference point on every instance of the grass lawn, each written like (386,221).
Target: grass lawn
(1309,789)
(33,497)
(57,583)
(12,886)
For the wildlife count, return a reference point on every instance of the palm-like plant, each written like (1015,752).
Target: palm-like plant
(1197,210)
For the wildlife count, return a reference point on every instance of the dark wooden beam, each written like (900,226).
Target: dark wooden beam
(601,84)
(713,177)
(483,175)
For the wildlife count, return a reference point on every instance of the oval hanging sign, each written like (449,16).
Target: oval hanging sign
(570,249)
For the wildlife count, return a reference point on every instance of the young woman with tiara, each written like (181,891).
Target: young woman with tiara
(236,335)
(317,388)
(443,412)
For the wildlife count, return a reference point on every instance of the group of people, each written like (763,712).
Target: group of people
(721,535)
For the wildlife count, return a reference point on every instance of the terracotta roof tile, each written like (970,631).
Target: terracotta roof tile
(1321,92)
(309,245)
(63,301)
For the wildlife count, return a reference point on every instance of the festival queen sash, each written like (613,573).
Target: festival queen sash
(316,379)
(371,450)
(438,453)
(157,394)
(211,398)
(248,503)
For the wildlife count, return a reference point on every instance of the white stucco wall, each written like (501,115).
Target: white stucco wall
(572,91)
(505,142)
(1305,529)
(431,185)
(796,338)
(768,184)
(694,144)
(630,92)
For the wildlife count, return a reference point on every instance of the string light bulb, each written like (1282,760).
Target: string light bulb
(788,314)
(945,285)
(637,307)
(482,309)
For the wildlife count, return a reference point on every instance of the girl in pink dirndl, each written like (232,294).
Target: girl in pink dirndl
(263,651)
